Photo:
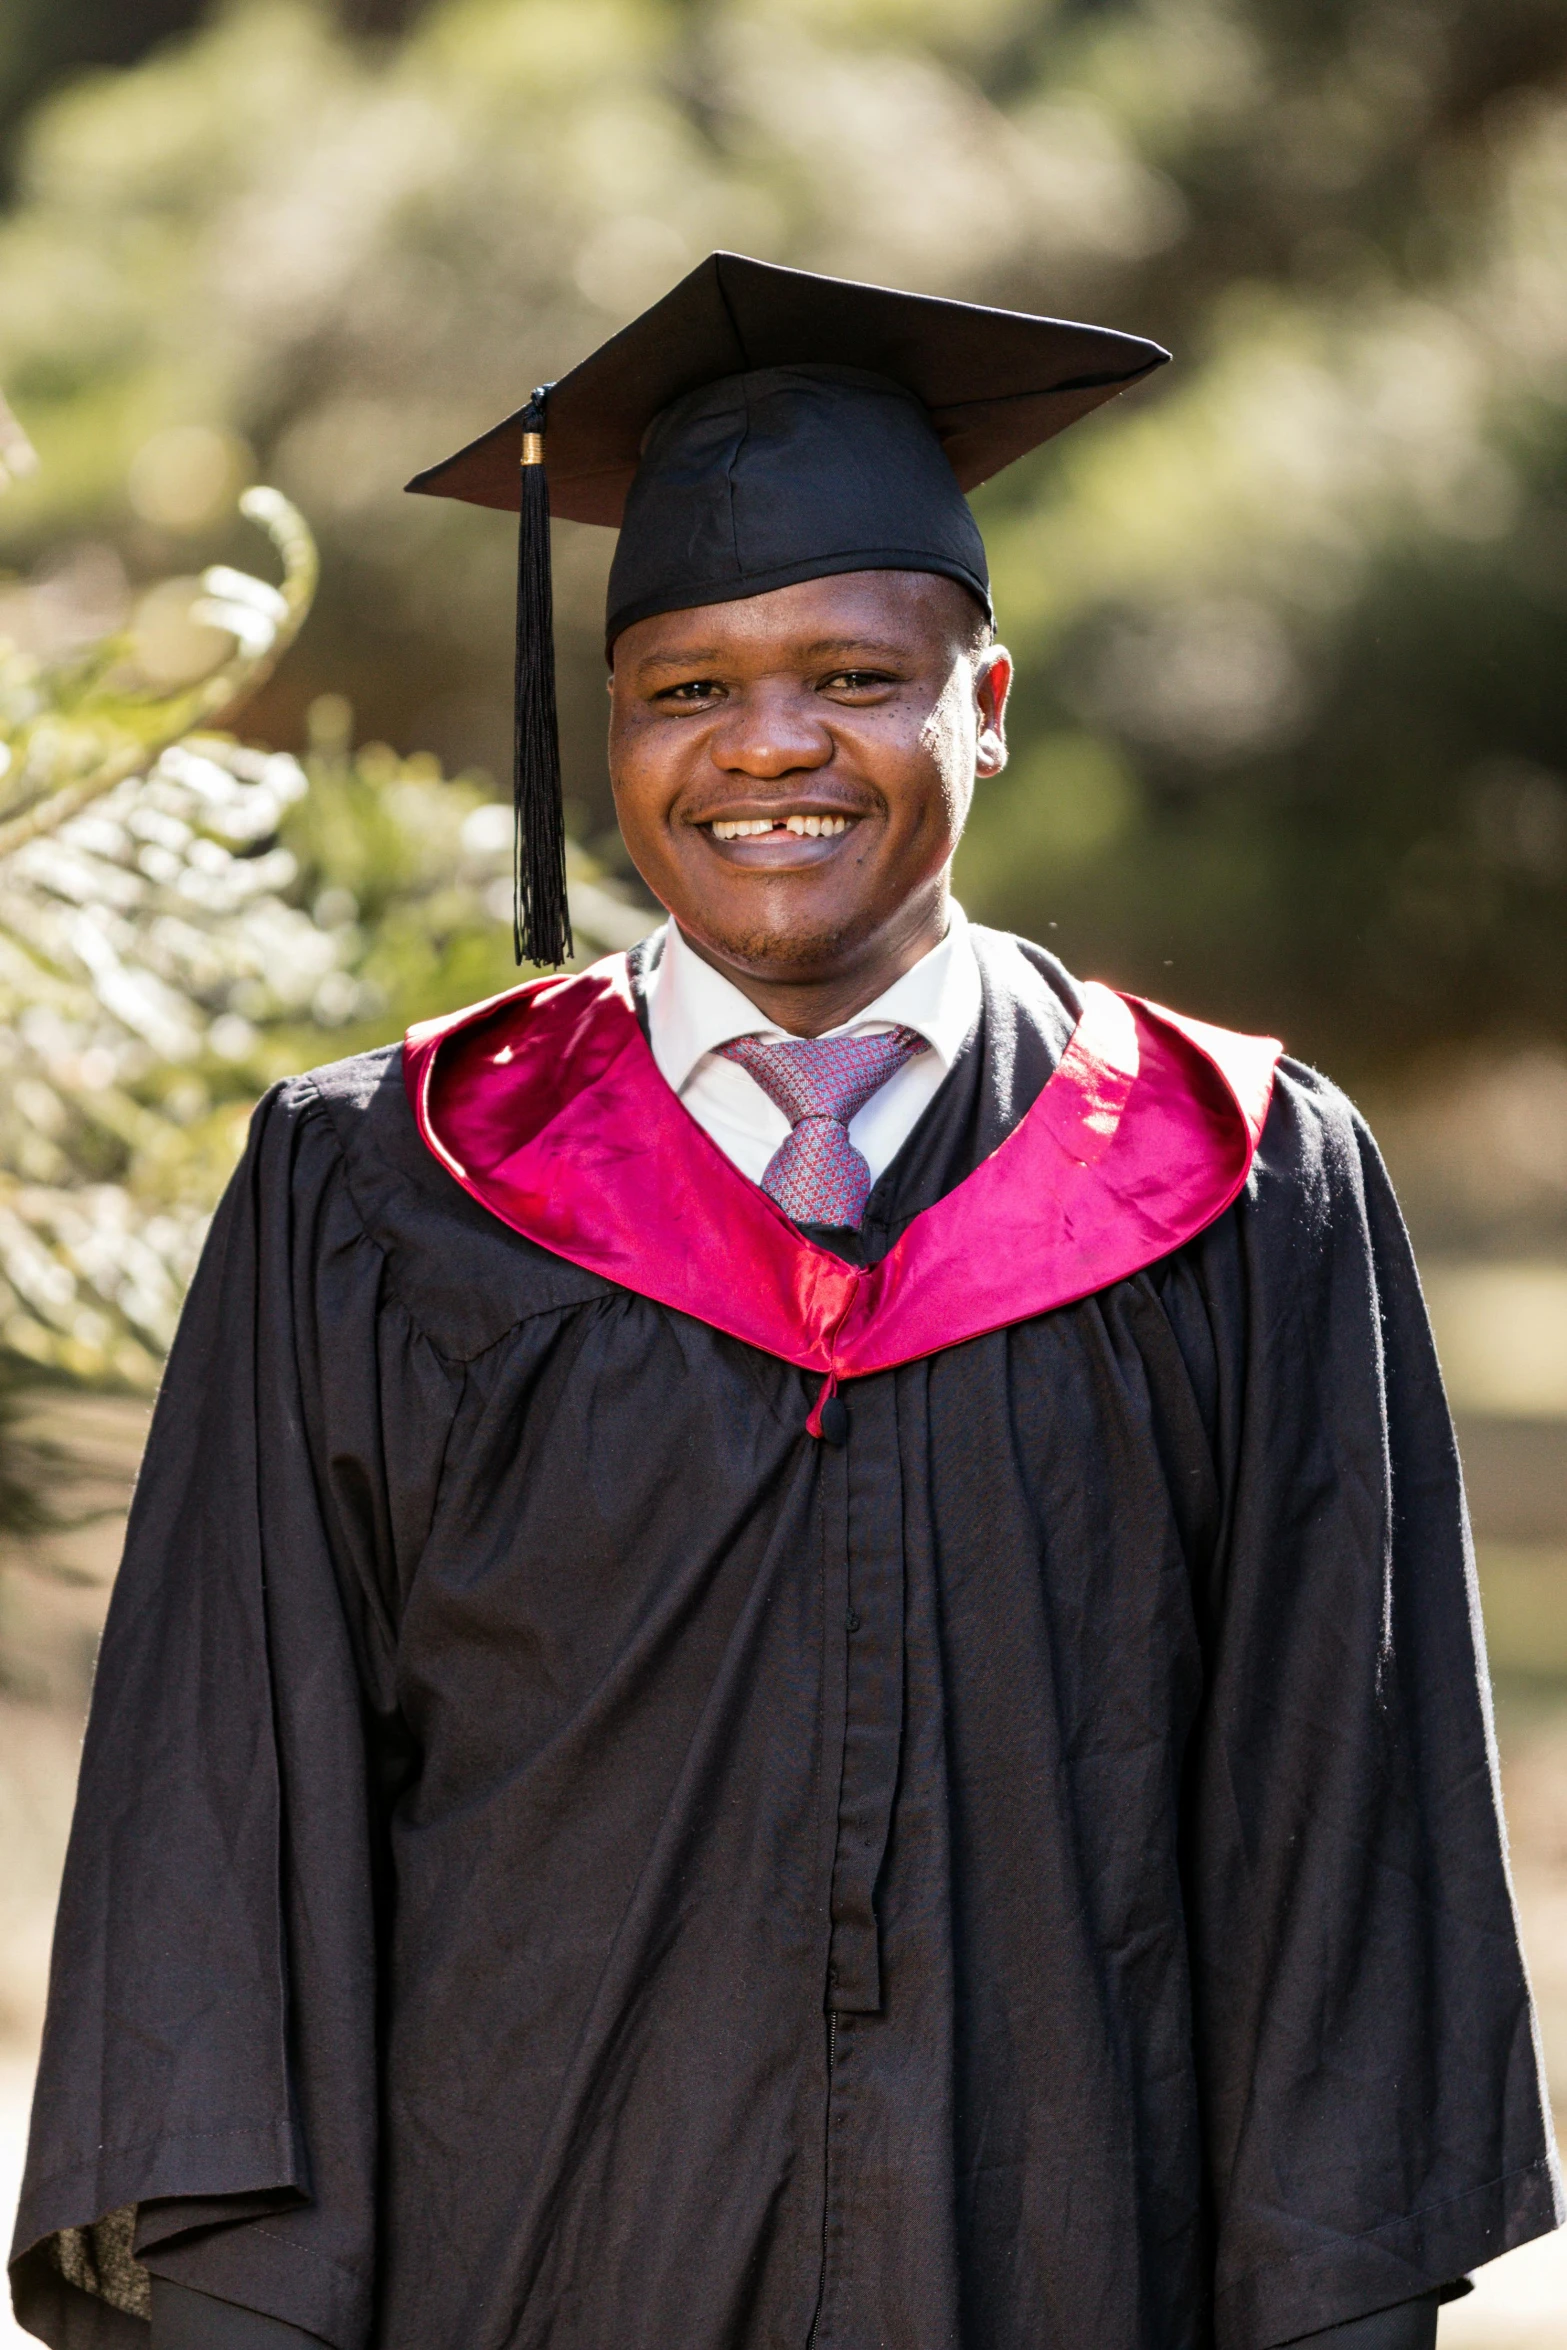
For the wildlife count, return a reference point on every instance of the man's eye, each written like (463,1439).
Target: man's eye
(856,681)
(691,689)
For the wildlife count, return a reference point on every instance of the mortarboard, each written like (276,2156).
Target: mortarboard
(757,427)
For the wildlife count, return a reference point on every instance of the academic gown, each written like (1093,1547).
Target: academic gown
(566,1856)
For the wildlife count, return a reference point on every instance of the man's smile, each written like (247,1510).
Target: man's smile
(755,827)
(780,839)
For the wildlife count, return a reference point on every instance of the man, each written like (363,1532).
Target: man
(796,1664)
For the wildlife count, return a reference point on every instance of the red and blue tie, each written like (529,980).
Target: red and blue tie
(820,1082)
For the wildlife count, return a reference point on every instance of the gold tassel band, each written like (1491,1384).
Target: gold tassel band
(533,448)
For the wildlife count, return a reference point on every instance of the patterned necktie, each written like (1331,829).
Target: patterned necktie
(820,1082)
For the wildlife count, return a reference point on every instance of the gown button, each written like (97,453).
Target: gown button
(835,1420)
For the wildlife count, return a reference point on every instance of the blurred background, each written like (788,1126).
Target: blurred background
(1291,727)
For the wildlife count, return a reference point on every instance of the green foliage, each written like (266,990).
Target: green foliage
(1300,601)
(226,919)
(184,919)
(31,1465)
(42,44)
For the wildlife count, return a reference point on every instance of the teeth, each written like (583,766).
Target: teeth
(806,827)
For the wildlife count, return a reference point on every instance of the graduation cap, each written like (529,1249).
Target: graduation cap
(757,427)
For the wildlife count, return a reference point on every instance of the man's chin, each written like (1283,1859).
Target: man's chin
(799,956)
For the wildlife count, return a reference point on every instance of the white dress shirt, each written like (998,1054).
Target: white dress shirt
(692,1009)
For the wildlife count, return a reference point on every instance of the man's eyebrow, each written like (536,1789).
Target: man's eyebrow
(705,657)
(855,644)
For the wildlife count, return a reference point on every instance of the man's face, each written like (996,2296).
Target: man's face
(792,771)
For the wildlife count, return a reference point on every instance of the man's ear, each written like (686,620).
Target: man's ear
(992,684)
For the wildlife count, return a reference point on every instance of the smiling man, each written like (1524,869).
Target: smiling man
(792,773)
(796,1666)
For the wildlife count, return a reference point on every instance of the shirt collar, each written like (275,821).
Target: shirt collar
(693,1009)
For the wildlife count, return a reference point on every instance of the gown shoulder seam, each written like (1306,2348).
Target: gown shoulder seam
(310,1104)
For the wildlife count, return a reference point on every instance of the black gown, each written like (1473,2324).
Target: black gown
(566,1858)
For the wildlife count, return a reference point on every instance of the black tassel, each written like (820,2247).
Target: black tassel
(541,918)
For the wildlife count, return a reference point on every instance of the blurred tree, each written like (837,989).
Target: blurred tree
(378,17)
(43,43)
(1290,731)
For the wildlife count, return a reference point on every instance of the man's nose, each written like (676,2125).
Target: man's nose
(770,734)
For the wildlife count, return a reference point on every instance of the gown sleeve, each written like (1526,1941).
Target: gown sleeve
(1374,2114)
(206,2101)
